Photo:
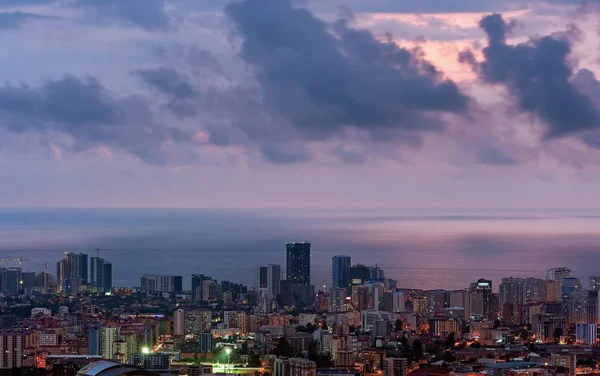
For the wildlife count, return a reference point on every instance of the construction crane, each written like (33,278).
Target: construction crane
(9,260)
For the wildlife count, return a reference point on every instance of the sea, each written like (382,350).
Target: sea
(425,248)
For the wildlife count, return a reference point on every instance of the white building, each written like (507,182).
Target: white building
(35,312)
(109,336)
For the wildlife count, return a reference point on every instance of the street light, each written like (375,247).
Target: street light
(145,350)
(228,352)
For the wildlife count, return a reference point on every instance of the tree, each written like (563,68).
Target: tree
(558,332)
(524,334)
(475,345)
(450,340)
(398,325)
(283,348)
(497,324)
(254,361)
(417,350)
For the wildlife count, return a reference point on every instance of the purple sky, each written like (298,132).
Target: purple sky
(364,104)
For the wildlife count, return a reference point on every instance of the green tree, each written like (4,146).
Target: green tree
(417,350)
(398,325)
(254,361)
(283,348)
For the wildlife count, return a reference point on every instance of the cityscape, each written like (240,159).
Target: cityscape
(299,187)
(362,322)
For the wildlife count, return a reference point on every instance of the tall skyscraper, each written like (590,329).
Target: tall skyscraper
(298,263)
(197,280)
(73,267)
(274,280)
(101,275)
(340,272)
(261,278)
(481,292)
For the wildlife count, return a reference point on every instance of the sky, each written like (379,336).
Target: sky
(276,104)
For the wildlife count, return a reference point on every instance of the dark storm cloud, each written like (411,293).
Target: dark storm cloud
(538,74)
(147,14)
(490,155)
(89,113)
(323,78)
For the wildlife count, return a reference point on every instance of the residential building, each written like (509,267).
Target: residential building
(340,272)
(298,263)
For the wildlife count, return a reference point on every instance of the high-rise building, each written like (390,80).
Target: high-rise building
(101,275)
(570,285)
(179,322)
(12,348)
(274,280)
(522,290)
(360,298)
(558,274)
(395,366)
(482,291)
(95,341)
(359,274)
(197,281)
(73,266)
(298,263)
(337,300)
(263,305)
(210,290)
(398,302)
(108,338)
(594,283)
(205,342)
(261,278)
(11,281)
(161,283)
(28,282)
(340,272)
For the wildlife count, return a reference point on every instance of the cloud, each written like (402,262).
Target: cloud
(89,115)
(432,6)
(280,154)
(324,79)
(538,74)
(147,14)
(9,20)
(493,156)
(350,157)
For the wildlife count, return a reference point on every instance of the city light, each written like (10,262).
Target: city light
(228,350)
(145,350)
